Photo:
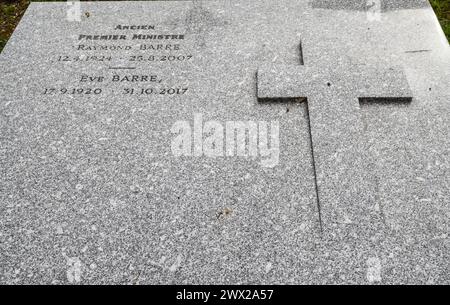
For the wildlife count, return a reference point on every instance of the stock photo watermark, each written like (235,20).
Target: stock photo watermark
(74,11)
(241,139)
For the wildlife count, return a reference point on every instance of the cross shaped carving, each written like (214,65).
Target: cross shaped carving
(333,95)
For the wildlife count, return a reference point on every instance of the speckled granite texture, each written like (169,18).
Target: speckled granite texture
(91,192)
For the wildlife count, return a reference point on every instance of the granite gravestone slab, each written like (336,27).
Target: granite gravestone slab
(225,142)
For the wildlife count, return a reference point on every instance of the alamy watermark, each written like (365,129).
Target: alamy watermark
(74,11)
(246,139)
(373,10)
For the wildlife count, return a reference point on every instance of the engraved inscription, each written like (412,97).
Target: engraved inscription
(118,53)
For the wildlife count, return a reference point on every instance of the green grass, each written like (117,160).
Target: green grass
(12,10)
(10,14)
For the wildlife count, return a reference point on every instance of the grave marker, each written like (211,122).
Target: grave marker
(323,87)
(93,95)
